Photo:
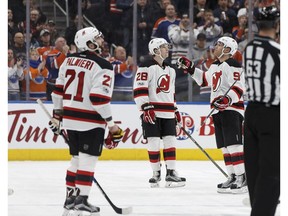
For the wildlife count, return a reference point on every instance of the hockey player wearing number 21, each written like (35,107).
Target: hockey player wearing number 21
(82,102)
(226,79)
(154,95)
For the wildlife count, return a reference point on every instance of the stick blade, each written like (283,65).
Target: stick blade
(126,211)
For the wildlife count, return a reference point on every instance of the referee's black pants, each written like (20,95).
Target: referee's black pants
(262,157)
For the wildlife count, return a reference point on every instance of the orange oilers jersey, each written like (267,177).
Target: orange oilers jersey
(37,83)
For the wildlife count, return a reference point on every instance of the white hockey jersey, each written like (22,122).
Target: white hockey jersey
(155,84)
(220,77)
(83,89)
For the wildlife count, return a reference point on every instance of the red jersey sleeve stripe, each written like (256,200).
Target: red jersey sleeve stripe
(98,99)
(204,83)
(138,92)
(238,91)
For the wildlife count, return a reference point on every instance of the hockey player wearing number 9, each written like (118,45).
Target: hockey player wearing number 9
(154,95)
(83,93)
(227,86)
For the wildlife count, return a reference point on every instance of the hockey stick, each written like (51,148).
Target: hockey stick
(207,155)
(212,111)
(118,210)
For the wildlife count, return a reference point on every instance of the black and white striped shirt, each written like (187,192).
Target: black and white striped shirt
(261,60)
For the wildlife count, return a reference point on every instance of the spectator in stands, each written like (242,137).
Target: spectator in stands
(19,10)
(210,28)
(34,43)
(54,59)
(15,74)
(124,75)
(37,75)
(181,6)
(242,44)
(238,31)
(199,9)
(34,5)
(225,16)
(158,8)
(19,47)
(45,44)
(204,64)
(236,4)
(199,50)
(106,51)
(51,27)
(12,27)
(160,29)
(113,24)
(35,25)
(179,35)
(144,28)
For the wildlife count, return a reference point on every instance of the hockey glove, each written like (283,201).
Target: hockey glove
(112,140)
(148,113)
(55,123)
(186,65)
(178,116)
(222,102)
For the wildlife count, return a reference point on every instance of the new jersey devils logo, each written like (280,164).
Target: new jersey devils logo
(216,80)
(163,84)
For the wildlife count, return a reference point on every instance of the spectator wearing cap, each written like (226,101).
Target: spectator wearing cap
(199,50)
(50,26)
(238,31)
(45,44)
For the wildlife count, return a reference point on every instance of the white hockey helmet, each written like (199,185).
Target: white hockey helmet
(229,42)
(83,36)
(155,44)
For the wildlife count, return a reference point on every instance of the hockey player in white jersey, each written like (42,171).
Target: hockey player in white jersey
(226,79)
(154,91)
(82,102)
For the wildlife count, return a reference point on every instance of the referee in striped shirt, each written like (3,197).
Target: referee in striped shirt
(261,61)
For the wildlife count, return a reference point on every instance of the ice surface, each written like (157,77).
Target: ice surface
(39,190)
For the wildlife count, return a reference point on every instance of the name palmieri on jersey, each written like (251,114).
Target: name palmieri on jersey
(79,62)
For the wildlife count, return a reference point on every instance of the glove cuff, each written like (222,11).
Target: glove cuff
(147,106)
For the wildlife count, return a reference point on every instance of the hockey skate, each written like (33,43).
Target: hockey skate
(225,186)
(82,207)
(156,178)
(173,180)
(240,185)
(68,205)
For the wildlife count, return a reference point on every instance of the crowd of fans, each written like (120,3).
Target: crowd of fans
(167,19)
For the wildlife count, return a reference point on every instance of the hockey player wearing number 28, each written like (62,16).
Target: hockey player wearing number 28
(82,101)
(224,73)
(154,95)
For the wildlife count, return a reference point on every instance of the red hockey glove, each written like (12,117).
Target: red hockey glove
(113,139)
(55,123)
(221,102)
(148,113)
(186,65)
(178,116)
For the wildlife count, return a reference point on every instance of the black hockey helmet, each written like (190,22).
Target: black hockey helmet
(267,17)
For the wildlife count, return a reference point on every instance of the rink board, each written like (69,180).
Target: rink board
(29,137)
